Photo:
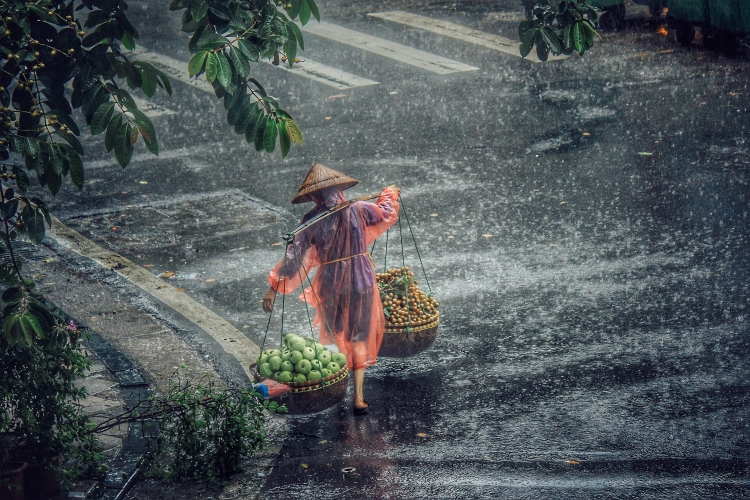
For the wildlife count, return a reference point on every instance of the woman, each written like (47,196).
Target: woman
(344,291)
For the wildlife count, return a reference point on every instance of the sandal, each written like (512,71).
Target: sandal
(358,412)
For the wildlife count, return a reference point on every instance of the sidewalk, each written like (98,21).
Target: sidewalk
(136,345)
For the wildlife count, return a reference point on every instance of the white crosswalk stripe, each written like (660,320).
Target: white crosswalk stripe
(339,79)
(327,75)
(445,28)
(386,48)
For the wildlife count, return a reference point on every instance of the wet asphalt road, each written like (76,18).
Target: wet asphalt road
(595,335)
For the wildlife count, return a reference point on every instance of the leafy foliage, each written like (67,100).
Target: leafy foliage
(48,44)
(38,401)
(211,433)
(201,431)
(560,28)
(227,38)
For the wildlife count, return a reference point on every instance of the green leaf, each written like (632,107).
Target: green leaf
(579,38)
(260,130)
(304,13)
(125,98)
(294,11)
(56,158)
(542,52)
(123,148)
(72,140)
(34,222)
(313,9)
(524,27)
(234,110)
(239,61)
(13,332)
(568,36)
(198,9)
(588,34)
(260,88)
(31,327)
(290,48)
(22,180)
(243,116)
(211,40)
(525,48)
(195,66)
(212,67)
(53,181)
(31,146)
(292,26)
(552,41)
(8,209)
(76,170)
(285,142)
(127,41)
(13,295)
(101,118)
(109,137)
(258,120)
(223,70)
(295,134)
(249,49)
(148,82)
(147,130)
(269,137)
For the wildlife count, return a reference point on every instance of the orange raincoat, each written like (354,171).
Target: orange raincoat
(344,291)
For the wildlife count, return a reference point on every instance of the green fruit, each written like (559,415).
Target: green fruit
(286,366)
(263,359)
(295,357)
(275,362)
(308,341)
(339,358)
(314,375)
(303,366)
(324,358)
(317,365)
(285,354)
(300,377)
(276,376)
(319,348)
(308,353)
(265,370)
(289,336)
(274,352)
(285,376)
(296,344)
(334,367)
(325,372)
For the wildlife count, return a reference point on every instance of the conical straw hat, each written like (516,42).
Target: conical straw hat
(320,177)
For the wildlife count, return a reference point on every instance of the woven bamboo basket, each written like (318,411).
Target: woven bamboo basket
(311,397)
(401,342)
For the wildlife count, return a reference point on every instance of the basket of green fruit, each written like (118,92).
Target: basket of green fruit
(317,377)
(411,316)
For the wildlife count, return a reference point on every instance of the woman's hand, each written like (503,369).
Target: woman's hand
(268,300)
(393,186)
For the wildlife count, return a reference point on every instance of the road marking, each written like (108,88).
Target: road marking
(327,75)
(232,340)
(150,109)
(488,40)
(312,70)
(140,157)
(386,48)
